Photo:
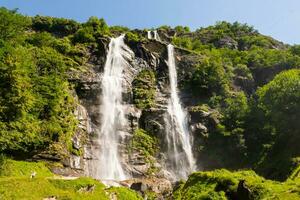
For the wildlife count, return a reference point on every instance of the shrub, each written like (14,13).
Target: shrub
(144,89)
(144,142)
(12,24)
(209,77)
(273,123)
(55,25)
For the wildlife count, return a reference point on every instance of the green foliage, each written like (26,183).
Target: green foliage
(222,184)
(183,42)
(181,29)
(123,193)
(144,142)
(209,77)
(273,123)
(243,71)
(250,41)
(144,89)
(229,133)
(263,58)
(55,25)
(149,195)
(84,35)
(37,56)
(99,25)
(119,29)
(91,30)
(131,36)
(36,107)
(12,168)
(234,57)
(164,27)
(295,175)
(147,145)
(280,99)
(295,49)
(189,43)
(62,45)
(12,24)
(39,188)
(235,110)
(16,175)
(224,30)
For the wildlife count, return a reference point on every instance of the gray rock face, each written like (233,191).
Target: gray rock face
(150,55)
(161,187)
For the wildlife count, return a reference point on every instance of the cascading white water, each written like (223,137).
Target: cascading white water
(155,35)
(180,160)
(113,121)
(149,34)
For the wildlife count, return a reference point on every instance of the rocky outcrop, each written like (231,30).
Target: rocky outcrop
(161,187)
(151,55)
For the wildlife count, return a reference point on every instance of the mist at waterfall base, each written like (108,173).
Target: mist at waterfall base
(113,121)
(180,160)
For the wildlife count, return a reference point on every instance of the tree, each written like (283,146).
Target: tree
(12,24)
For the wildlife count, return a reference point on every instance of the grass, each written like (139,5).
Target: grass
(20,169)
(16,184)
(124,194)
(39,188)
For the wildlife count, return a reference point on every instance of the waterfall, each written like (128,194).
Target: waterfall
(113,121)
(149,35)
(153,35)
(156,36)
(180,160)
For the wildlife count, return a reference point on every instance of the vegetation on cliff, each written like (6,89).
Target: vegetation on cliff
(238,74)
(36,106)
(249,82)
(144,89)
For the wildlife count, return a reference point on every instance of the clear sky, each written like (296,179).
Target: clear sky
(277,18)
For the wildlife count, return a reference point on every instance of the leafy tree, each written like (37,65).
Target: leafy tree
(273,123)
(209,77)
(235,110)
(181,29)
(12,24)
(55,25)
(295,49)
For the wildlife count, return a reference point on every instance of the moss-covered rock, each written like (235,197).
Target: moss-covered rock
(144,88)
(222,184)
(144,142)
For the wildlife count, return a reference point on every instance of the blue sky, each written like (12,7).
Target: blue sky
(277,18)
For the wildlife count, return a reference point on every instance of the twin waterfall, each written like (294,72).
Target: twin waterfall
(108,166)
(180,160)
(113,118)
(153,35)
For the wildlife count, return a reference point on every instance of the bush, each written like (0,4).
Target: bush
(209,77)
(235,111)
(273,124)
(144,142)
(36,107)
(181,29)
(55,25)
(12,24)
(222,184)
